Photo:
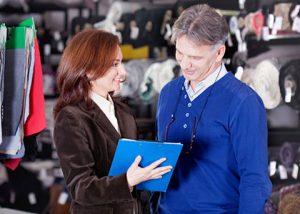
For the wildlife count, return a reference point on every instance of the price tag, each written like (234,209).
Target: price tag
(47,49)
(63,198)
(295,171)
(271,21)
(272,168)
(296,24)
(32,198)
(265,33)
(282,172)
(12,197)
(134,32)
(277,25)
(295,12)
(288,95)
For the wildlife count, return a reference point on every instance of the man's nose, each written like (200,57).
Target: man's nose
(185,63)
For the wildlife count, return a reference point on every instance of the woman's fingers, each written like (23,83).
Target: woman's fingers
(160,171)
(156,177)
(136,162)
(136,174)
(155,164)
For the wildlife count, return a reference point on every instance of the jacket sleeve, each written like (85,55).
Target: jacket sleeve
(249,138)
(78,165)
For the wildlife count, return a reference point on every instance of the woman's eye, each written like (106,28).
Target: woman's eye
(116,64)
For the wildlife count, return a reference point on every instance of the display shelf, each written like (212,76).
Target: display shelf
(291,38)
(277,137)
(34,6)
(284,36)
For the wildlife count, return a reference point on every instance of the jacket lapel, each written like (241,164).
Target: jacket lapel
(126,122)
(102,121)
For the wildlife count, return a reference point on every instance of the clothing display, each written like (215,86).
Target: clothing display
(288,153)
(3,35)
(29,83)
(36,121)
(14,78)
(265,78)
(156,76)
(19,92)
(136,70)
(289,82)
(14,101)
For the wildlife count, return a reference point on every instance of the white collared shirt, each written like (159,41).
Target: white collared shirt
(107,106)
(204,84)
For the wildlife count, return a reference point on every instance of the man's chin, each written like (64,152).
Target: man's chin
(188,77)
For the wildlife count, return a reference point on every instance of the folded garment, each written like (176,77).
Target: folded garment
(265,83)
(287,153)
(289,83)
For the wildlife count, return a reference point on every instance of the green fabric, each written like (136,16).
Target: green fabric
(19,38)
(29,23)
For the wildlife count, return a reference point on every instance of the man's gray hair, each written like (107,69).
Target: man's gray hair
(201,24)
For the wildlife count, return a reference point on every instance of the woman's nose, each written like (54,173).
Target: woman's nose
(122,72)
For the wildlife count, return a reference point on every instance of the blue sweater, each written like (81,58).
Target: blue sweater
(227,170)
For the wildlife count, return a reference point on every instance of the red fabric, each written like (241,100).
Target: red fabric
(36,120)
(258,23)
(12,163)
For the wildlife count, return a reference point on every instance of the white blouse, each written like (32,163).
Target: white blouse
(107,106)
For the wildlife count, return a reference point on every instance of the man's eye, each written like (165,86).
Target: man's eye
(196,57)
(178,53)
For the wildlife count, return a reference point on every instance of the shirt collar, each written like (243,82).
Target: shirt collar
(105,105)
(204,84)
(208,81)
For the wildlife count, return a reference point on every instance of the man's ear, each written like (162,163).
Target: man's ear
(220,53)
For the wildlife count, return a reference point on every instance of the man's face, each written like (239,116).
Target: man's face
(196,61)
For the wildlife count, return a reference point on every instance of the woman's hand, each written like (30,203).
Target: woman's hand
(136,174)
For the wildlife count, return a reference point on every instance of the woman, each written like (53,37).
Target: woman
(88,124)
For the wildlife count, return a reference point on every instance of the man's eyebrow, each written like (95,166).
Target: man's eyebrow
(189,55)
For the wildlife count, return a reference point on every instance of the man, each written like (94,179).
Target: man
(220,120)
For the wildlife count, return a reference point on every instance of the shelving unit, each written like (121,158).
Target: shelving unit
(278,136)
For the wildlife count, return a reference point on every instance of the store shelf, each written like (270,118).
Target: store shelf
(291,38)
(278,136)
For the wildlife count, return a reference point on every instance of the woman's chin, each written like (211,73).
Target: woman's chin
(116,85)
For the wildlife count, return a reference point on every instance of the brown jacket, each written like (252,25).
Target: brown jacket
(86,142)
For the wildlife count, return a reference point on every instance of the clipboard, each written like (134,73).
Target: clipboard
(150,151)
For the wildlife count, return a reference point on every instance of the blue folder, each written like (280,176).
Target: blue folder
(150,151)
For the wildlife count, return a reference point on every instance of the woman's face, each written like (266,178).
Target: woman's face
(111,80)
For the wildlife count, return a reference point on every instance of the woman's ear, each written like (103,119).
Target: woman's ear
(220,53)
(89,76)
